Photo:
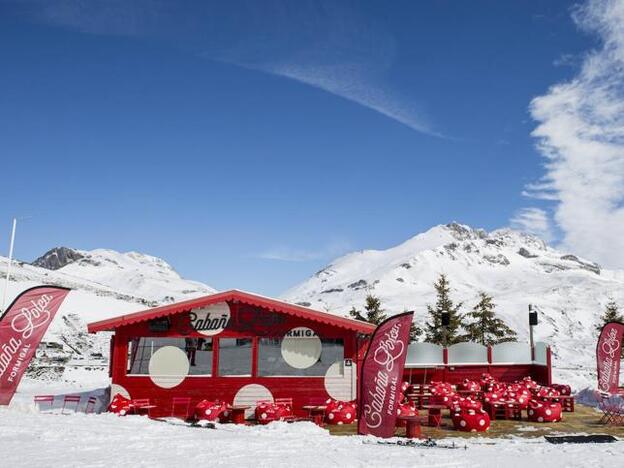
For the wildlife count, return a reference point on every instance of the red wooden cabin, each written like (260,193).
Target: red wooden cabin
(237,347)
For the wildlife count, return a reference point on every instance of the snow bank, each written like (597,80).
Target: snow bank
(35,439)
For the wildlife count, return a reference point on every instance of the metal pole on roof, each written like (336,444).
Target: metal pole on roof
(8,274)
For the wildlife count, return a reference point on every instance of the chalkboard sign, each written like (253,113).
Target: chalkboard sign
(159,325)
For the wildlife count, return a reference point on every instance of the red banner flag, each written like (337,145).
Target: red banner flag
(382,372)
(608,356)
(22,327)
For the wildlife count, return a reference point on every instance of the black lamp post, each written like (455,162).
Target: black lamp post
(532,323)
(446,321)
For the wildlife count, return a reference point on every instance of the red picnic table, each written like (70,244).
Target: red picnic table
(238,413)
(434,418)
(412,426)
(317,413)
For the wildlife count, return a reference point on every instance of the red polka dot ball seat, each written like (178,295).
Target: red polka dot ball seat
(518,394)
(406,409)
(207,410)
(464,404)
(544,412)
(267,411)
(341,412)
(121,405)
(442,394)
(471,421)
(486,380)
(469,385)
(563,389)
(545,392)
(494,397)
(529,383)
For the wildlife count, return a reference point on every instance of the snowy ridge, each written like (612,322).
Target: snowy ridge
(516,268)
(104,284)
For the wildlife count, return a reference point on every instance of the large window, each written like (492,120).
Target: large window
(197,350)
(298,357)
(235,356)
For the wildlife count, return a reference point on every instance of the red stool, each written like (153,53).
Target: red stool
(412,426)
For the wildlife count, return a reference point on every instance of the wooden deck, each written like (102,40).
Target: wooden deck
(584,420)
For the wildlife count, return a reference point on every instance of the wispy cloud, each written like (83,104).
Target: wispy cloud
(534,221)
(326,44)
(580,133)
(290,254)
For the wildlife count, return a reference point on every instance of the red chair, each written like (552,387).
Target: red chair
(287,404)
(184,402)
(90,407)
(143,404)
(316,410)
(41,399)
(75,399)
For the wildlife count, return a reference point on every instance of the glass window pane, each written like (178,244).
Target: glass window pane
(271,360)
(234,356)
(197,350)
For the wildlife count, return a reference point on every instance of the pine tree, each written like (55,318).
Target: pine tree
(485,327)
(434,331)
(375,314)
(373,311)
(611,314)
(415,332)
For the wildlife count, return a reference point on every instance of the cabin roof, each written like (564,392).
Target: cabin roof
(232,296)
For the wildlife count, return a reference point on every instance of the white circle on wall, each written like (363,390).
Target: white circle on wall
(210,320)
(119,390)
(249,395)
(301,348)
(339,383)
(168,367)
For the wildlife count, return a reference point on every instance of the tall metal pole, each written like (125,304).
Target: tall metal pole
(531,333)
(8,274)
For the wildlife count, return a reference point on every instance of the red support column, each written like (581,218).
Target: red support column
(548,366)
(215,357)
(254,357)
(111,356)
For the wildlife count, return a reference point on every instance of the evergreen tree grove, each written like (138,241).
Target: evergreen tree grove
(484,327)
(434,331)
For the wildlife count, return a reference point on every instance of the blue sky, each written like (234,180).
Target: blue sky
(248,146)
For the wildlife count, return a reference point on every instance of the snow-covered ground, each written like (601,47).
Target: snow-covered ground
(30,438)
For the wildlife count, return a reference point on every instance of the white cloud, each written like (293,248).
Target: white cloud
(580,133)
(328,45)
(290,254)
(534,221)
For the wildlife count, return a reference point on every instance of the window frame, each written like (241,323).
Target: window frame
(253,358)
(342,339)
(128,350)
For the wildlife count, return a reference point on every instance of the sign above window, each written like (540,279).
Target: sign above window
(210,320)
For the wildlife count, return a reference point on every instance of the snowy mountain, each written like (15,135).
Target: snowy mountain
(104,283)
(517,269)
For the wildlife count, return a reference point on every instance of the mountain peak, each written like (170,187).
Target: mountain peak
(57,258)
